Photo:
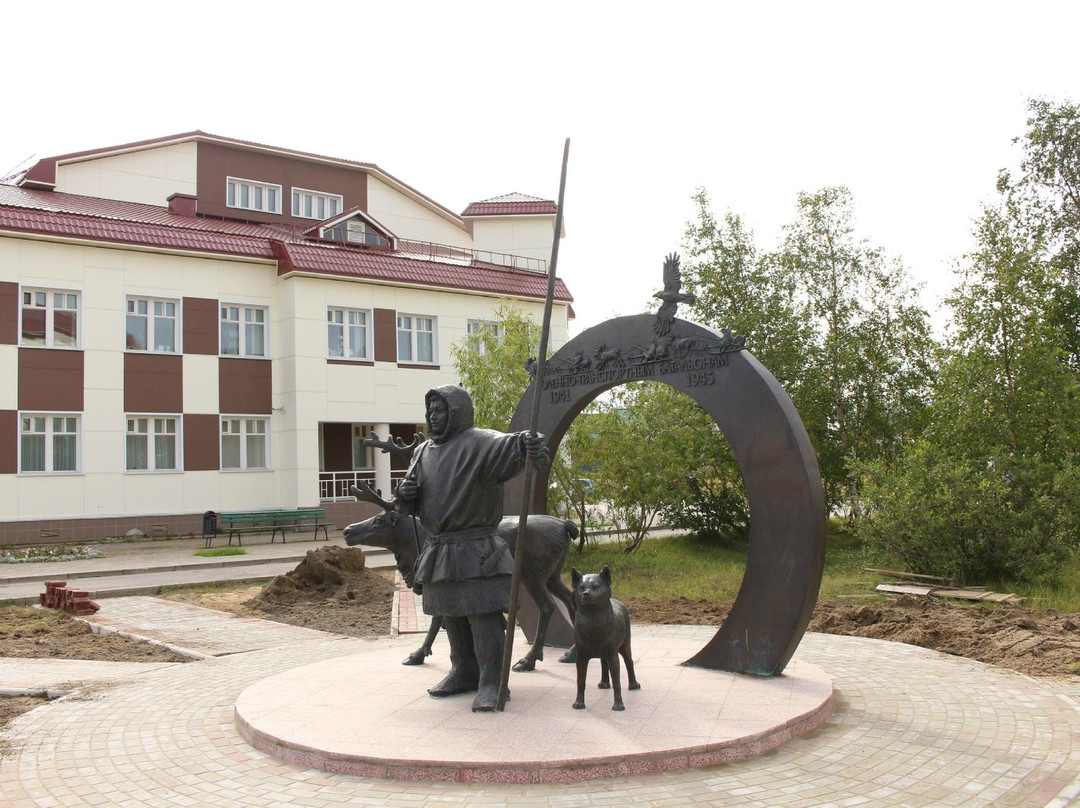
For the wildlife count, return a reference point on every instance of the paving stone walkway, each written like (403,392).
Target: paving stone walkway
(910,728)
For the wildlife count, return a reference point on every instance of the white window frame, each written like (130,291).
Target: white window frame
(301,195)
(255,190)
(343,317)
(411,328)
(245,424)
(155,428)
(50,309)
(474,327)
(225,310)
(48,433)
(151,316)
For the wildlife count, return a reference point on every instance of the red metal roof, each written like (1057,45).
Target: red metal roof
(328,259)
(53,214)
(512,205)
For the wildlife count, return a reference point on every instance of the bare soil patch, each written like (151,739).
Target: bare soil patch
(12,707)
(1025,640)
(52,634)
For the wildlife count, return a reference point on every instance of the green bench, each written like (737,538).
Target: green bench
(240,522)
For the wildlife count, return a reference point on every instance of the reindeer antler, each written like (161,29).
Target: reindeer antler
(368,494)
(396,445)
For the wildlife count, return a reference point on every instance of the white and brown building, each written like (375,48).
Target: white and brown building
(196,323)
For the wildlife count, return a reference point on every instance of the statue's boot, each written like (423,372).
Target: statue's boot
(464,672)
(489,635)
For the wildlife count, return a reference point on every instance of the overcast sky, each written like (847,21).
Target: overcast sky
(911,105)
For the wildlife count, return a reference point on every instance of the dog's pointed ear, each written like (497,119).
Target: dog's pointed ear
(575,576)
(605,575)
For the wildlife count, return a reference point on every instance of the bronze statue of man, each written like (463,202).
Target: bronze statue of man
(454,486)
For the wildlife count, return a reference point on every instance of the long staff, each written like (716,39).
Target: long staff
(527,485)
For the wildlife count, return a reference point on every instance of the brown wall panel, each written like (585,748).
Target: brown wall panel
(200,326)
(202,440)
(337,447)
(385,335)
(244,386)
(50,380)
(153,382)
(9,435)
(9,313)
(405,433)
(217,162)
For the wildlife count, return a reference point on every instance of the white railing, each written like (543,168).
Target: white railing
(334,485)
(465,255)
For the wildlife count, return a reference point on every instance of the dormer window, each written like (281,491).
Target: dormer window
(315,204)
(354,227)
(252,195)
(356,231)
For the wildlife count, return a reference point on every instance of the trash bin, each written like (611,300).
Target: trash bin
(209,524)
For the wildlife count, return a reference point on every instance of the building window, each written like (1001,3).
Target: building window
(416,339)
(151,443)
(347,334)
(151,325)
(485,333)
(243,331)
(315,204)
(50,318)
(244,443)
(48,442)
(251,195)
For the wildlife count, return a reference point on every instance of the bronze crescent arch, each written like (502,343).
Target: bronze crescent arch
(783,484)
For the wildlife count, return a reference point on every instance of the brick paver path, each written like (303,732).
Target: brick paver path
(911,727)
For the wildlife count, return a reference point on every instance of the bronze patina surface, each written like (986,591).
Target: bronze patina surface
(779,468)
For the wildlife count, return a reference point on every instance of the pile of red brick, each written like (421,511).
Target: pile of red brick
(75,601)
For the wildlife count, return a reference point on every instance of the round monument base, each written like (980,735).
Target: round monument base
(367,715)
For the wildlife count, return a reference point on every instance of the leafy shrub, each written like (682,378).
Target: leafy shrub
(983,520)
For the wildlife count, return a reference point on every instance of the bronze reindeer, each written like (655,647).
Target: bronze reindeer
(547,543)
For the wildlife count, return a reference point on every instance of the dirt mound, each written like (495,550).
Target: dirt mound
(1025,640)
(330,590)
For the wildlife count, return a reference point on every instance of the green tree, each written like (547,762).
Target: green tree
(991,488)
(491,365)
(1047,191)
(871,353)
(1045,198)
(837,323)
(752,294)
(653,445)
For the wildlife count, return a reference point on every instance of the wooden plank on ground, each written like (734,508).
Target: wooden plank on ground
(944,592)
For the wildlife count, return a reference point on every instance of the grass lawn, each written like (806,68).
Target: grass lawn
(214,552)
(687,566)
